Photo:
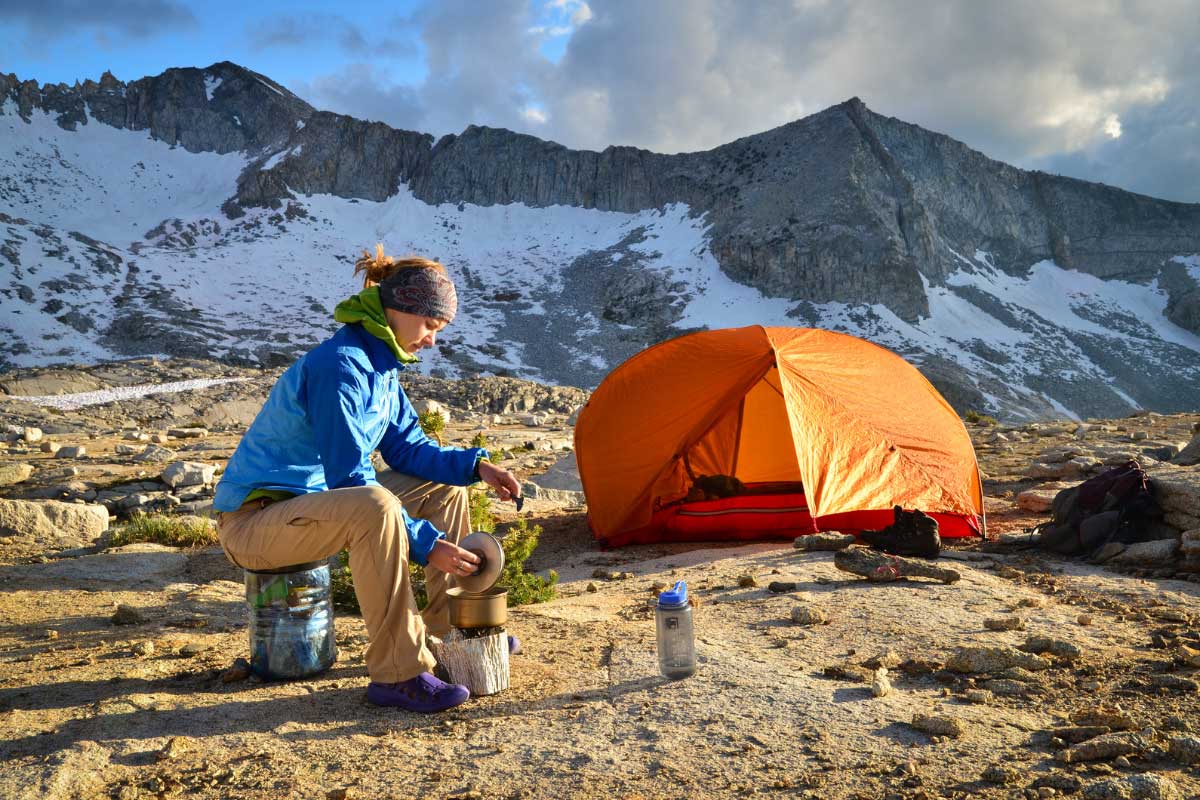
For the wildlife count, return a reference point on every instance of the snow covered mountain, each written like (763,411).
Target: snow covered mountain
(210,212)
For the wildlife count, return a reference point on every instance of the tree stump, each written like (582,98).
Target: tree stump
(477,658)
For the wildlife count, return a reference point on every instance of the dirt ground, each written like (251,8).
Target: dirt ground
(89,709)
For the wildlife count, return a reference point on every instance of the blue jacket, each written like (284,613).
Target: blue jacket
(324,418)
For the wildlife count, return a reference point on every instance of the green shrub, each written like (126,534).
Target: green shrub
(341,586)
(975,418)
(519,542)
(164,529)
(481,511)
(479,440)
(433,423)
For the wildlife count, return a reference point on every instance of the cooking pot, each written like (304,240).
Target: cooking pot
(487,609)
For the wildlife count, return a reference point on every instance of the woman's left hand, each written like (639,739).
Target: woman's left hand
(499,479)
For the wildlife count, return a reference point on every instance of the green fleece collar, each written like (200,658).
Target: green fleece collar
(366,309)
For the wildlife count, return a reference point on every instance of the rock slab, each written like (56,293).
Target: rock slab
(51,524)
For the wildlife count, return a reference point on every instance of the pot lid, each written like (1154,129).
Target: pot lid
(490,553)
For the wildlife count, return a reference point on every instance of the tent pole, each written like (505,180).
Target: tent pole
(982,502)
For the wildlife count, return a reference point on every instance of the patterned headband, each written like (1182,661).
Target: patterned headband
(420,291)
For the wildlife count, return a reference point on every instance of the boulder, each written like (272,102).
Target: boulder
(1162,551)
(33,435)
(1134,787)
(14,473)
(50,525)
(1041,469)
(120,568)
(560,483)
(74,451)
(1057,455)
(188,473)
(1190,454)
(188,433)
(153,452)
(67,491)
(824,541)
(534,492)
(562,474)
(1161,451)
(1038,500)
(1177,488)
(974,660)
(1180,521)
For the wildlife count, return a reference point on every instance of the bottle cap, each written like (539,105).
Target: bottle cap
(675,597)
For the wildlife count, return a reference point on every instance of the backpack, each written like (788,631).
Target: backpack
(1109,507)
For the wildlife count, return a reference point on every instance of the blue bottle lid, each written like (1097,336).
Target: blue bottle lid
(675,597)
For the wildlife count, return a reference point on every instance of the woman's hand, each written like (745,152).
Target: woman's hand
(499,479)
(452,559)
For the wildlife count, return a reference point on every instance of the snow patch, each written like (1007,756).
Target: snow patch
(109,183)
(280,156)
(71,402)
(269,86)
(210,86)
(1192,264)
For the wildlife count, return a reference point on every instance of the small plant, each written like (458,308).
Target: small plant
(481,511)
(341,586)
(164,529)
(433,423)
(975,418)
(479,440)
(519,542)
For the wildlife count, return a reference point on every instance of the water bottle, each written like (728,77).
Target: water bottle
(673,623)
(291,621)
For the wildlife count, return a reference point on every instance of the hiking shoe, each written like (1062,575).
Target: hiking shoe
(424,694)
(912,533)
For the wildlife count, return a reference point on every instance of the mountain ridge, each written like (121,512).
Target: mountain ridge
(843,208)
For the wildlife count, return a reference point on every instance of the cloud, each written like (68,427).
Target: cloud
(388,40)
(481,61)
(1036,83)
(134,19)
(534,115)
(366,91)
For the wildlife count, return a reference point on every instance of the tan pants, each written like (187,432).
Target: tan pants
(367,521)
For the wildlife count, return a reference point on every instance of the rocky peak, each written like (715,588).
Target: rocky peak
(222,109)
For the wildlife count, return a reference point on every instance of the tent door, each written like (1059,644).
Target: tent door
(752,441)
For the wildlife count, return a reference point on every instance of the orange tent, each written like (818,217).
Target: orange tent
(847,428)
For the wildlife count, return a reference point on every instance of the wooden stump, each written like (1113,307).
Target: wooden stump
(479,662)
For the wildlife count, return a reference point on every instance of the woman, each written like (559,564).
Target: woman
(301,487)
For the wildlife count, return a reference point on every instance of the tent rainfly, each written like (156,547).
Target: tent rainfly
(826,430)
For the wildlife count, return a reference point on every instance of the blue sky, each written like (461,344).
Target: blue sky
(1105,90)
(287,41)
